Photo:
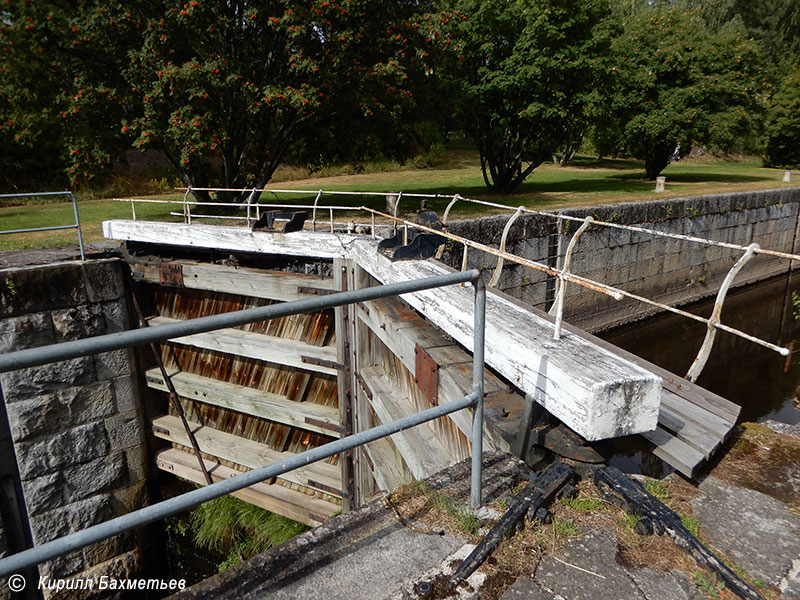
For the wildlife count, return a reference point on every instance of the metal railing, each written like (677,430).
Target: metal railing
(42,355)
(563,275)
(76,225)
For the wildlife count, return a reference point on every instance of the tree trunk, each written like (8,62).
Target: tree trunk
(656,160)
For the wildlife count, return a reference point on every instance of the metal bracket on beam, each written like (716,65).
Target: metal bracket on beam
(364,387)
(426,374)
(171,275)
(303,289)
(324,425)
(325,488)
(320,362)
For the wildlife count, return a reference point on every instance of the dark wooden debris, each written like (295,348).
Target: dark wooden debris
(568,444)
(540,490)
(630,495)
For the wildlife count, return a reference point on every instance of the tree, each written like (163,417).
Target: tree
(783,124)
(519,74)
(677,84)
(216,86)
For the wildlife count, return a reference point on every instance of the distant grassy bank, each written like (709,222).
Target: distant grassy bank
(586,181)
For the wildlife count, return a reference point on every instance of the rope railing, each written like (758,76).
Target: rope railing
(563,274)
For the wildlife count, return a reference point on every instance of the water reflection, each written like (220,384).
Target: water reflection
(738,370)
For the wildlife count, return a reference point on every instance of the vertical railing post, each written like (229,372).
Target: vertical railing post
(479,329)
(78,224)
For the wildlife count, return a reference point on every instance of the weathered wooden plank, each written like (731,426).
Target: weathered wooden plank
(400,329)
(694,434)
(345,385)
(304,415)
(258,283)
(696,414)
(361,350)
(421,451)
(679,386)
(386,465)
(592,390)
(674,451)
(273,497)
(258,345)
(236,239)
(697,437)
(247,453)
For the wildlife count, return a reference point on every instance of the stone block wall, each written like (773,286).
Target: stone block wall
(667,270)
(76,425)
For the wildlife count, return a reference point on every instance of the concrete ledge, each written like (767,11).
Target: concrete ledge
(363,554)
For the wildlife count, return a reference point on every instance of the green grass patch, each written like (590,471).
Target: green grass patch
(629,520)
(691,524)
(586,181)
(657,488)
(92,214)
(582,503)
(465,520)
(238,530)
(711,585)
(566,528)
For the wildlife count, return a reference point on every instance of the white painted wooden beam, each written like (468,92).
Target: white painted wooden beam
(258,283)
(593,391)
(235,239)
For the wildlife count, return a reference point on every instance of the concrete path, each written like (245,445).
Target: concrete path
(369,554)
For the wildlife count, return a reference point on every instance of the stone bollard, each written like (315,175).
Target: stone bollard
(787,176)
(661,183)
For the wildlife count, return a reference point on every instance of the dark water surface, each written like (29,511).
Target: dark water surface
(745,373)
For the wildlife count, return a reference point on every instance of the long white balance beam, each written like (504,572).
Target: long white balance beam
(595,392)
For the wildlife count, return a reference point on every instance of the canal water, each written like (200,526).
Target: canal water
(759,380)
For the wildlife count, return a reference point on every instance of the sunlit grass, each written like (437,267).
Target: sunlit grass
(587,181)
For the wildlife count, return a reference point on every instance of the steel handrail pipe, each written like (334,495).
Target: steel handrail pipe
(35,194)
(54,228)
(238,218)
(38,356)
(478,367)
(531,211)
(49,550)
(76,226)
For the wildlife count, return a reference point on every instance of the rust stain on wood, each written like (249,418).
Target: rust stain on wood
(171,274)
(426,375)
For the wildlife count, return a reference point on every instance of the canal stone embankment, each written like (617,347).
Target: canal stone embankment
(670,271)
(74,433)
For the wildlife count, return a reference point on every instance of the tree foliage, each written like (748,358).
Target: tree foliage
(519,75)
(677,83)
(217,86)
(783,124)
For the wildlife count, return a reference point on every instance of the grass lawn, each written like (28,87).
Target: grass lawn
(586,181)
